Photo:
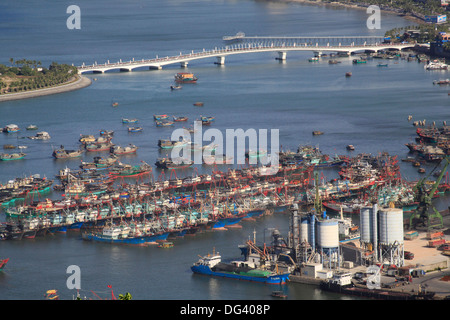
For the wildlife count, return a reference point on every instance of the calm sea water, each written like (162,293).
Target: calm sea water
(368,110)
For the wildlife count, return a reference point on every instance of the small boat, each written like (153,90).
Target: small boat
(107,133)
(175,87)
(164,123)
(333,61)
(9,146)
(125,120)
(278,294)
(12,156)
(165,245)
(350,147)
(86,138)
(348,74)
(442,82)
(118,150)
(169,144)
(11,128)
(160,116)
(184,77)
(43,135)
(32,127)
(180,119)
(382,65)
(317,133)
(359,61)
(166,163)
(3,263)
(134,129)
(313,59)
(421,170)
(51,295)
(198,104)
(207,119)
(114,104)
(62,153)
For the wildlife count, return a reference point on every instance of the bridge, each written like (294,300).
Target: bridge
(280,45)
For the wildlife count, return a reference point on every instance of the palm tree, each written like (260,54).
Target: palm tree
(126,296)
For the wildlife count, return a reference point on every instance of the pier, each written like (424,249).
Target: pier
(245,45)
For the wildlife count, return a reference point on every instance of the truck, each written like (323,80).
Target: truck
(408,255)
(434,235)
(411,235)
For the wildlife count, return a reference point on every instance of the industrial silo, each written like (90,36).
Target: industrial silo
(328,242)
(390,229)
(328,234)
(390,226)
(304,230)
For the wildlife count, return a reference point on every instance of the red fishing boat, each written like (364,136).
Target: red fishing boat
(3,263)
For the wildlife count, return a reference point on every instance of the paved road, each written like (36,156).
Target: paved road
(80,83)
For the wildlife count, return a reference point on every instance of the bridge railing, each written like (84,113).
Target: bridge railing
(249,47)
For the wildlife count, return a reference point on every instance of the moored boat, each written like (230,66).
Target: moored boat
(119,150)
(135,129)
(166,163)
(11,128)
(62,153)
(212,265)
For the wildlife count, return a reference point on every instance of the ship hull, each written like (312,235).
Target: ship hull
(275,279)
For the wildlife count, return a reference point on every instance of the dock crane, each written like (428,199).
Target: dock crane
(424,198)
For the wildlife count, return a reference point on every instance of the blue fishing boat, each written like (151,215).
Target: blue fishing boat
(125,120)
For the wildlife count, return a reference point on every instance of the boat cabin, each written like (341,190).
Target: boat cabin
(342,279)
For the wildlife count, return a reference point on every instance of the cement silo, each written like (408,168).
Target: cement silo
(390,230)
(328,241)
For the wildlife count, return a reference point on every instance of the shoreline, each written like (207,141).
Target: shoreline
(80,83)
(357,6)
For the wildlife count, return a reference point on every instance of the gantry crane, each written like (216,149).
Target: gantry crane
(426,213)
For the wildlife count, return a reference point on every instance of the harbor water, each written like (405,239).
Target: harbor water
(368,110)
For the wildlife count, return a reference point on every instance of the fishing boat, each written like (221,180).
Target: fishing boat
(207,119)
(43,135)
(334,61)
(3,263)
(358,61)
(348,74)
(250,270)
(317,133)
(32,127)
(165,244)
(11,128)
(160,117)
(94,147)
(166,163)
(86,138)
(180,119)
(313,59)
(107,133)
(135,129)
(175,87)
(128,171)
(350,147)
(436,65)
(12,156)
(118,150)
(62,153)
(164,123)
(184,77)
(125,120)
(99,163)
(198,104)
(382,65)
(170,144)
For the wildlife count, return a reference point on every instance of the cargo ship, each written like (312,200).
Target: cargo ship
(251,269)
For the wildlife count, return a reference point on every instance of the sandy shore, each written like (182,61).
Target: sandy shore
(78,83)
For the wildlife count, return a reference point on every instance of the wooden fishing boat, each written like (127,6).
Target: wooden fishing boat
(135,129)
(12,156)
(348,74)
(185,77)
(180,119)
(350,147)
(164,123)
(62,153)
(32,127)
(118,150)
(317,133)
(166,163)
(198,104)
(93,147)
(160,117)
(125,120)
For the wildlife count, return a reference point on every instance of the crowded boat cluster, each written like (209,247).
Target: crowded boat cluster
(105,208)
